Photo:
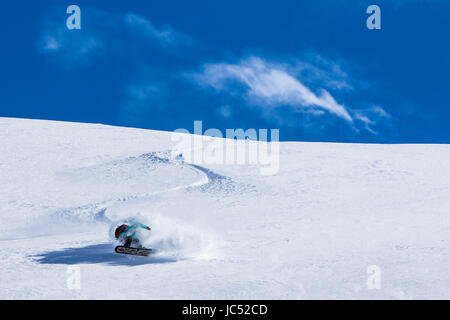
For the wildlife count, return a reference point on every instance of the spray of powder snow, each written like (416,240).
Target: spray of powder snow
(171,238)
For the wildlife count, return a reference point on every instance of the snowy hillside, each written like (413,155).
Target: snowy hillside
(220,231)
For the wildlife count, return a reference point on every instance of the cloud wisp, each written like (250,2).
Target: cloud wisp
(302,87)
(314,67)
(165,36)
(104,32)
(68,46)
(270,85)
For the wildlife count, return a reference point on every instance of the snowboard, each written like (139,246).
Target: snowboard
(133,251)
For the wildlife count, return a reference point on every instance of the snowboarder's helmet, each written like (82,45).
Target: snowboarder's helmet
(120,229)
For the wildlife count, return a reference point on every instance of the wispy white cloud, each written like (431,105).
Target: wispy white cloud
(142,99)
(315,68)
(270,85)
(299,86)
(225,111)
(79,46)
(50,44)
(370,117)
(68,46)
(165,35)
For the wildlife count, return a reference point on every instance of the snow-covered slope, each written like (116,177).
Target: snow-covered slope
(221,231)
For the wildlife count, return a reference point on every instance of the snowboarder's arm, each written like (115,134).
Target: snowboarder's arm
(143,226)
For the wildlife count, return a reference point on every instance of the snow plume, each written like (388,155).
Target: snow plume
(176,239)
(171,238)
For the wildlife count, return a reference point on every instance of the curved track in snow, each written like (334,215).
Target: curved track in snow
(209,181)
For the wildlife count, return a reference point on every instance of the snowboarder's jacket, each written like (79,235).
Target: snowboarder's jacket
(129,231)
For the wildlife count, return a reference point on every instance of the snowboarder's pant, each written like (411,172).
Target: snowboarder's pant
(128,241)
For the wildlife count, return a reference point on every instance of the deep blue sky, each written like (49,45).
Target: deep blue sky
(310,68)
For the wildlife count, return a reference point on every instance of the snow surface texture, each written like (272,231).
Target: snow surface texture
(221,231)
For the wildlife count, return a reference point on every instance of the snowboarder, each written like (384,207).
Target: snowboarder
(126,234)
